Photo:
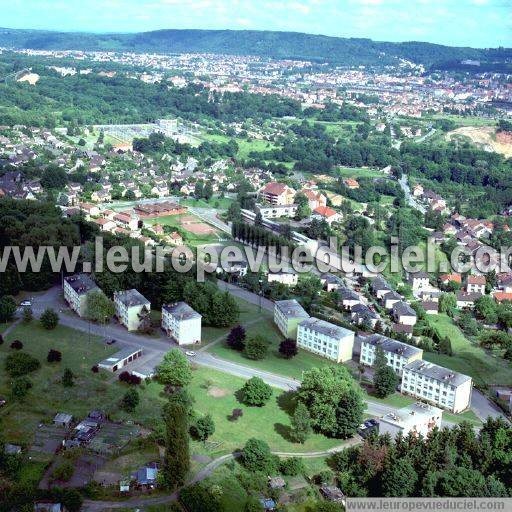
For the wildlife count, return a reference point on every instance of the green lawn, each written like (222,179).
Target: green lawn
(468,358)
(358,172)
(245,146)
(222,203)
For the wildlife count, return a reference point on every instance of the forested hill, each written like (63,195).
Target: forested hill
(250,42)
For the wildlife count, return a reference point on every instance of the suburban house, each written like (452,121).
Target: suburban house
(331,282)
(286,278)
(398,354)
(287,316)
(327,214)
(475,284)
(182,323)
(361,314)
(442,387)
(325,339)
(418,280)
(76,289)
(132,309)
(146,476)
(126,220)
(315,199)
(467,300)
(277,193)
(120,359)
(431,307)
(380,287)
(404,314)
(348,298)
(417,419)
(390,298)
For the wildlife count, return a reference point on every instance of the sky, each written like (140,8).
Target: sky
(476,23)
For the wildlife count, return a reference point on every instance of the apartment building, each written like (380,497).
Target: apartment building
(182,323)
(416,419)
(277,193)
(132,309)
(76,289)
(440,386)
(287,316)
(325,339)
(398,354)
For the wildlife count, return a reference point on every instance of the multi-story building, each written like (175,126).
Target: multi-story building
(132,309)
(275,211)
(475,284)
(325,339)
(182,323)
(287,316)
(398,354)
(404,314)
(437,385)
(416,419)
(76,289)
(277,193)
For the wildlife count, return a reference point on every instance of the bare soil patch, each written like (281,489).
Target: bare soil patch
(216,392)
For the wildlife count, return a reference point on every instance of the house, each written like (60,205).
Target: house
(277,193)
(62,420)
(120,359)
(379,287)
(398,354)
(315,199)
(90,210)
(361,314)
(327,214)
(502,296)
(287,316)
(182,323)
(126,220)
(132,309)
(418,419)
(75,289)
(101,196)
(325,339)
(175,238)
(450,278)
(146,476)
(417,190)
(331,282)
(404,314)
(467,300)
(348,298)
(437,385)
(418,280)
(47,506)
(475,284)
(430,307)
(276,482)
(105,225)
(286,278)
(333,494)
(390,298)
(351,183)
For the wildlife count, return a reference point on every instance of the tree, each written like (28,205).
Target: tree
(130,400)
(49,319)
(27,315)
(7,308)
(20,387)
(333,399)
(54,177)
(256,456)
(20,363)
(99,308)
(204,427)
(288,348)
(445,346)
(174,370)
(385,380)
(485,306)
(447,303)
(256,392)
(63,471)
(17,345)
(292,466)
(54,356)
(256,348)
(236,338)
(300,424)
(177,458)
(68,378)
(399,478)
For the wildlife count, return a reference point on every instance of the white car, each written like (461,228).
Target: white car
(26,304)
(190,353)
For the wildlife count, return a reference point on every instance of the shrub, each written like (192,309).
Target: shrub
(95,369)
(130,378)
(256,348)
(20,387)
(20,363)
(237,413)
(54,356)
(17,345)
(49,319)
(291,467)
(1,339)
(256,392)
(64,471)
(130,400)
(67,378)
(256,456)
(288,348)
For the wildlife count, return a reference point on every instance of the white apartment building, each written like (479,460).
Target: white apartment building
(287,316)
(398,354)
(76,289)
(437,385)
(132,309)
(325,339)
(275,211)
(417,419)
(182,323)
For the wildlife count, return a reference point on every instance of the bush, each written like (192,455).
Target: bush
(256,348)
(95,369)
(291,467)
(130,378)
(288,348)
(64,471)
(20,363)
(17,345)
(256,392)
(1,339)
(49,319)
(130,400)
(20,387)
(256,456)
(237,413)
(67,378)
(54,356)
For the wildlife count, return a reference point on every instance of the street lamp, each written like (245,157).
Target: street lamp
(261,292)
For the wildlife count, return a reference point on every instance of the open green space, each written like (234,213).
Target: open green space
(468,358)
(245,146)
(221,203)
(358,172)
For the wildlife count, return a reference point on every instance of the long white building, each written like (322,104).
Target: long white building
(76,289)
(325,339)
(398,354)
(437,385)
(182,323)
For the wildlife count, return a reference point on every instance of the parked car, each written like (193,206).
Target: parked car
(111,341)
(190,353)
(26,304)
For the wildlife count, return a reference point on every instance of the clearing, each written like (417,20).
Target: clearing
(483,136)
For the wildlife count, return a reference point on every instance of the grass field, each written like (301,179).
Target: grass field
(215,202)
(468,358)
(358,172)
(245,146)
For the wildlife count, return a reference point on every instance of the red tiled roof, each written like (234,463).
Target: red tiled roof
(325,211)
(476,280)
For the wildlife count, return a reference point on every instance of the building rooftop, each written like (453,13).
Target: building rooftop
(323,327)
(439,373)
(181,310)
(63,417)
(131,298)
(81,283)
(119,356)
(291,308)
(402,308)
(410,415)
(391,345)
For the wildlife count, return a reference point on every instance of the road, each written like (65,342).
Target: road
(209,215)
(404,183)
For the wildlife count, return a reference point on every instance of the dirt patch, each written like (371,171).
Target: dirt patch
(217,392)
(191,224)
(31,78)
(485,137)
